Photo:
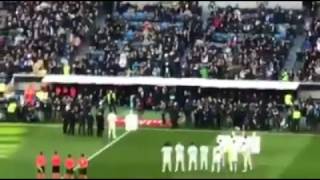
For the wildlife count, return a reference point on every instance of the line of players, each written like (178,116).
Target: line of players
(70,165)
(220,153)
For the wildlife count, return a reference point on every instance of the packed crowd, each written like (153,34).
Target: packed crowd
(173,48)
(43,36)
(150,40)
(248,45)
(310,52)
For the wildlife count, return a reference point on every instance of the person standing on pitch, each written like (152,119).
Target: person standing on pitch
(174,115)
(193,157)
(246,154)
(66,118)
(179,149)
(88,117)
(217,155)
(69,166)
(83,163)
(56,162)
(233,156)
(89,121)
(111,101)
(73,119)
(41,163)
(100,120)
(112,118)
(223,145)
(82,120)
(204,151)
(166,157)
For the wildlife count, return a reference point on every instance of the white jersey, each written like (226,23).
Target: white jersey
(239,141)
(224,141)
(193,152)
(179,149)
(166,153)
(217,154)
(112,118)
(245,148)
(204,151)
(233,152)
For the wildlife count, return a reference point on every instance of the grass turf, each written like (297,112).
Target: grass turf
(137,155)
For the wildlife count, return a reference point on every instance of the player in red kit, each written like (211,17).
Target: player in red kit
(40,165)
(83,163)
(69,165)
(56,162)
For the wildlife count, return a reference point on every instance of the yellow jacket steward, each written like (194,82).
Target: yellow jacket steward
(42,96)
(12,107)
(66,69)
(285,76)
(296,115)
(2,87)
(111,96)
(288,100)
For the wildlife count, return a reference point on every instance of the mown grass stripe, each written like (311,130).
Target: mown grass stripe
(10,138)
(8,146)
(3,156)
(8,142)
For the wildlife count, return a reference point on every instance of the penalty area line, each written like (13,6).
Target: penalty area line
(106,147)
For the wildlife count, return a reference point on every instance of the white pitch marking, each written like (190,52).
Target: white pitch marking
(106,147)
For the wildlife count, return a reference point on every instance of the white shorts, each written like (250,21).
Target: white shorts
(234,161)
(217,161)
(204,160)
(180,159)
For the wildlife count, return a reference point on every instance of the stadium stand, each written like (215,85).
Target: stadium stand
(170,41)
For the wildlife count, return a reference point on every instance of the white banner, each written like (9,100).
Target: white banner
(158,81)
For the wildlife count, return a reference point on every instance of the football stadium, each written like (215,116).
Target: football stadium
(159,89)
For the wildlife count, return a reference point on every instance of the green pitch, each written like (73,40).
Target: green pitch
(137,154)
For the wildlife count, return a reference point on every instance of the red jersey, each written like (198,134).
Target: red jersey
(55,160)
(58,91)
(73,92)
(83,162)
(69,164)
(41,160)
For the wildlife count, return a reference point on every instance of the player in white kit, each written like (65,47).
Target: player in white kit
(193,157)
(112,118)
(166,157)
(217,155)
(223,145)
(246,154)
(204,151)
(233,156)
(179,149)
